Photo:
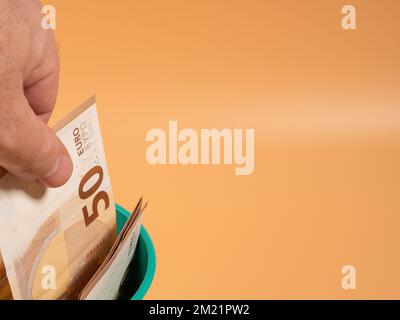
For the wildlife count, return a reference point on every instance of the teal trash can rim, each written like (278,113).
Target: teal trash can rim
(151,263)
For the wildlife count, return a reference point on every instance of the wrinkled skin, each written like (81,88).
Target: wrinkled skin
(29,71)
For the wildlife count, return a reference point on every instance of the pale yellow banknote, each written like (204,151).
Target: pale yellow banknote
(52,241)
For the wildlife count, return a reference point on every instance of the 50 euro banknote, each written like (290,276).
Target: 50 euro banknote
(52,241)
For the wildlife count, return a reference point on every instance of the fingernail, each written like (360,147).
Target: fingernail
(60,173)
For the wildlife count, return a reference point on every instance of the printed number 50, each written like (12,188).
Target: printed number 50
(101,195)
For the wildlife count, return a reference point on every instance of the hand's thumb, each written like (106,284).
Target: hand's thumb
(30,149)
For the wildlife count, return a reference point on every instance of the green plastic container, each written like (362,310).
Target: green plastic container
(143,266)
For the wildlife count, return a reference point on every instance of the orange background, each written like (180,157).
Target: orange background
(324,104)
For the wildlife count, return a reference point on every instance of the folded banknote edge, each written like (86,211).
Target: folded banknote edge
(129,226)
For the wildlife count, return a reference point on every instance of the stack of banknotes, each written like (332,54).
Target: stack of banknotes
(61,243)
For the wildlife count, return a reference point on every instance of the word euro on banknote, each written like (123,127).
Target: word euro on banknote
(52,241)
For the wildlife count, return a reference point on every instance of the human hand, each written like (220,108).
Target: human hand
(29,70)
